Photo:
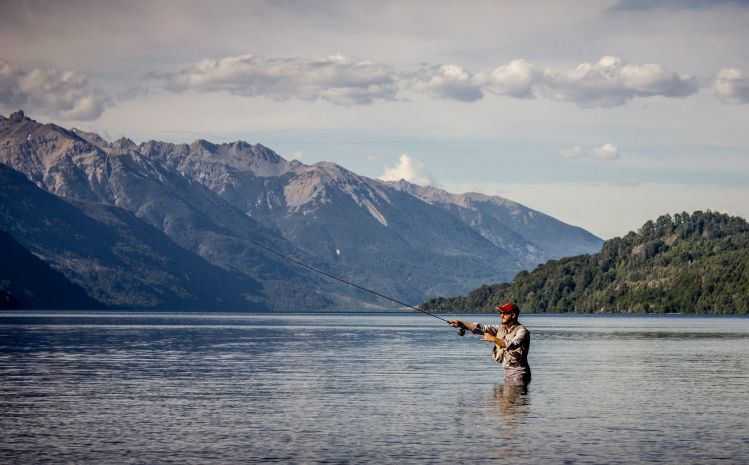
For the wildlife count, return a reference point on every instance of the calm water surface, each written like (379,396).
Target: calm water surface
(368,388)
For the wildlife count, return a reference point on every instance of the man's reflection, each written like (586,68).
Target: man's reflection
(511,399)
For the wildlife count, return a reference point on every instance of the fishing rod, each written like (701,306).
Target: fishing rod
(311,268)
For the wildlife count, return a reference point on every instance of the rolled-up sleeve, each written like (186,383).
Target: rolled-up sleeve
(519,339)
(481,328)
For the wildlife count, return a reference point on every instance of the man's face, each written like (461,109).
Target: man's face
(507,317)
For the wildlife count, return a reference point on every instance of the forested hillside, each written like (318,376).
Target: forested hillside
(691,263)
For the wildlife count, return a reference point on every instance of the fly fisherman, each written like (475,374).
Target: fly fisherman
(511,342)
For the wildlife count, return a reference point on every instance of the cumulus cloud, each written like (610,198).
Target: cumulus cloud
(605,152)
(62,94)
(608,82)
(731,85)
(409,169)
(516,79)
(336,79)
(445,81)
(611,82)
(344,81)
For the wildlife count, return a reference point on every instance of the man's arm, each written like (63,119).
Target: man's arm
(460,324)
(475,328)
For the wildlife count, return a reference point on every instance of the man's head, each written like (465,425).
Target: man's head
(508,312)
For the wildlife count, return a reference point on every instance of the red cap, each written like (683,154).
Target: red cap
(509,307)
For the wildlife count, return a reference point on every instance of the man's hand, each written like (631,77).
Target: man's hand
(456,323)
(488,337)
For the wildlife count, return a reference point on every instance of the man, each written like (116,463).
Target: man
(511,342)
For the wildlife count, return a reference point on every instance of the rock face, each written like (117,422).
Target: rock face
(219,201)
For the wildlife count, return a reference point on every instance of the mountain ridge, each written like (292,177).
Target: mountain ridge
(218,200)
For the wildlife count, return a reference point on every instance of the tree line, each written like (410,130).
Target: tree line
(686,263)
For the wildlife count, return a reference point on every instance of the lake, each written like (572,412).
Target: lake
(368,388)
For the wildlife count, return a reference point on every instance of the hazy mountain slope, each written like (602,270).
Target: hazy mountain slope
(117,258)
(531,236)
(27,282)
(688,263)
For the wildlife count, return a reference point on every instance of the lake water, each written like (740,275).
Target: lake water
(368,388)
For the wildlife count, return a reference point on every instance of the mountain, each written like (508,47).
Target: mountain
(117,258)
(388,235)
(191,216)
(690,263)
(231,203)
(28,282)
(530,236)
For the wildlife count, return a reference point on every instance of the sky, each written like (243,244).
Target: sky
(603,114)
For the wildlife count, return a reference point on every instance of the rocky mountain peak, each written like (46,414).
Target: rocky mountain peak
(18,126)
(17,117)
(91,138)
(124,143)
(202,144)
(256,159)
(240,145)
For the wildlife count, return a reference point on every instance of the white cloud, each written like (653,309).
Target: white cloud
(611,82)
(515,79)
(731,85)
(344,81)
(605,152)
(336,79)
(409,169)
(445,81)
(298,155)
(61,94)
(608,82)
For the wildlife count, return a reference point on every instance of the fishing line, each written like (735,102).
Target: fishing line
(311,268)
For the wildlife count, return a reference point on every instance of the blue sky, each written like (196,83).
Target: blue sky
(602,114)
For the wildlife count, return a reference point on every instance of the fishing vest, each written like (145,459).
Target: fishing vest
(517,357)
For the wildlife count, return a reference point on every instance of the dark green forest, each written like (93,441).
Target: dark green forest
(685,263)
